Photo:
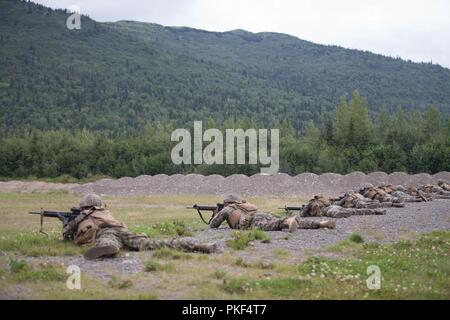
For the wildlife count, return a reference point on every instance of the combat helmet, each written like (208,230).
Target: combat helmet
(91,200)
(366,186)
(232,198)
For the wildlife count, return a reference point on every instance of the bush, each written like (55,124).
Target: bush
(219,274)
(241,239)
(357,238)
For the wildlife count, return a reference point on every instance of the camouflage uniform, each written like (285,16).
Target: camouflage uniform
(352,199)
(434,192)
(334,211)
(443,185)
(122,238)
(96,226)
(240,214)
(321,207)
(415,192)
(259,220)
(379,194)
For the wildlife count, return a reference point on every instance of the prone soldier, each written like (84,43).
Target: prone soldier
(408,195)
(435,192)
(444,185)
(240,214)
(382,195)
(96,226)
(356,200)
(320,206)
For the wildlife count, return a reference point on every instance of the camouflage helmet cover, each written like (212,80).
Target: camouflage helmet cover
(91,200)
(232,198)
(367,186)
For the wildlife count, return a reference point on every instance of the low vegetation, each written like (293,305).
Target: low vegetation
(153,265)
(37,244)
(357,238)
(174,228)
(22,271)
(414,268)
(409,270)
(118,283)
(241,239)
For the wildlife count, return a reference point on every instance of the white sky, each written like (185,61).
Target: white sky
(416,29)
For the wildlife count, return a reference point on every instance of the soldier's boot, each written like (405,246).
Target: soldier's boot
(290,224)
(102,251)
(328,224)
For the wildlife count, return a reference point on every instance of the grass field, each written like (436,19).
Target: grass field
(33,265)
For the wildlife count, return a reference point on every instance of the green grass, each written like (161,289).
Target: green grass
(240,262)
(278,252)
(409,270)
(417,268)
(348,246)
(219,274)
(153,265)
(241,239)
(283,287)
(118,283)
(147,296)
(357,238)
(174,228)
(21,271)
(35,244)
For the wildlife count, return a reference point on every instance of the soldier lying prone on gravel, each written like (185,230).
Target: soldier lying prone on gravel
(96,226)
(382,194)
(240,214)
(435,192)
(356,200)
(320,206)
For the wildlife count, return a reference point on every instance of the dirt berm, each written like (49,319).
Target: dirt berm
(305,184)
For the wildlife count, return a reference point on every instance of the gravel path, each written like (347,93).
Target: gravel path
(397,224)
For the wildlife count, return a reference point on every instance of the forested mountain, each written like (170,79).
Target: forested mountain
(118,77)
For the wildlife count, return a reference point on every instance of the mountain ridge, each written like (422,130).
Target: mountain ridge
(133,73)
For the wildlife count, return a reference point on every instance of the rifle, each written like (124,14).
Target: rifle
(63,216)
(201,208)
(287,208)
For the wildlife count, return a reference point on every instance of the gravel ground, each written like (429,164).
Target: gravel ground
(397,224)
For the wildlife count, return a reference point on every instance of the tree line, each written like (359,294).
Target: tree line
(351,140)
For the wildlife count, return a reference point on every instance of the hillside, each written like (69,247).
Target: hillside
(122,75)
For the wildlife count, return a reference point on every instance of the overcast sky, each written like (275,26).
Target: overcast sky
(414,29)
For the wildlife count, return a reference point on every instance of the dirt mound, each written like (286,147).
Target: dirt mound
(281,184)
